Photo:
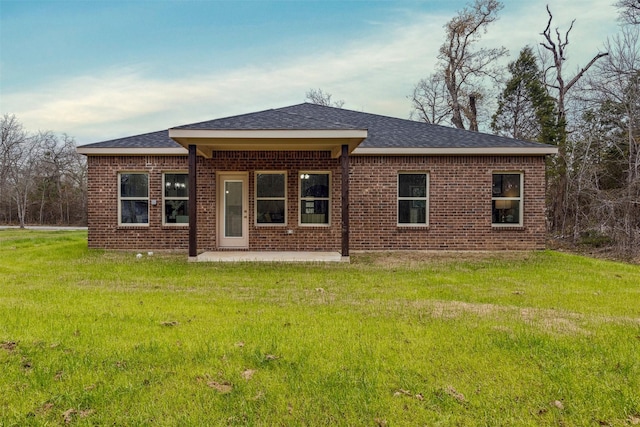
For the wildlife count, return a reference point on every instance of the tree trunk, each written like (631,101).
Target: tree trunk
(473,119)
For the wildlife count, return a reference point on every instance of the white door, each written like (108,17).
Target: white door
(233,216)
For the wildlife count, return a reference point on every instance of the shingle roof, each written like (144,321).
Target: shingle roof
(278,119)
(158,139)
(391,132)
(382,131)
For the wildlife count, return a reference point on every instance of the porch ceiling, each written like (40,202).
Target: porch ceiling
(208,141)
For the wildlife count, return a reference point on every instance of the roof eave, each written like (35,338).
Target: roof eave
(209,140)
(457,151)
(126,151)
(359,151)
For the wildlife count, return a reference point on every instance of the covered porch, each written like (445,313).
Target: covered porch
(205,143)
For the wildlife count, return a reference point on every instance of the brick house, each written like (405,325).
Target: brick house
(315,178)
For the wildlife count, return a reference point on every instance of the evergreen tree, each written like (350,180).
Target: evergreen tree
(525,109)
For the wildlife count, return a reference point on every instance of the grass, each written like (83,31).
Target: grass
(92,337)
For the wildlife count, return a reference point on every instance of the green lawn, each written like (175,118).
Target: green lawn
(93,337)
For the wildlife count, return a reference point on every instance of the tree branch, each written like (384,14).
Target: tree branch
(584,70)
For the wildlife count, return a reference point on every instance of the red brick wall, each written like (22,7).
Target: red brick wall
(102,214)
(459,203)
(276,237)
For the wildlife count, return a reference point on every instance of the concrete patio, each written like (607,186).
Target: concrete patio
(246,256)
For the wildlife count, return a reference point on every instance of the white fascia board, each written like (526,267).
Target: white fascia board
(267,134)
(97,151)
(458,151)
(359,151)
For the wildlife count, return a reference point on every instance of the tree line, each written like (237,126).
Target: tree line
(43,180)
(591,115)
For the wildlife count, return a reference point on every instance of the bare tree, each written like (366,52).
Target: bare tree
(41,175)
(74,183)
(21,173)
(462,65)
(557,47)
(462,69)
(430,100)
(322,98)
(556,44)
(614,90)
(12,139)
(629,11)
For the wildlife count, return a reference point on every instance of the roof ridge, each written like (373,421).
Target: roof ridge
(306,116)
(362,113)
(222,118)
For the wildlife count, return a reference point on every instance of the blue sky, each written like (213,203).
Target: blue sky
(98,69)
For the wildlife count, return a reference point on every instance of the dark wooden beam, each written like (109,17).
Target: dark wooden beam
(344,159)
(193,206)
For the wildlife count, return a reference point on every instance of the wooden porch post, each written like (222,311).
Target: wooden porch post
(193,207)
(345,200)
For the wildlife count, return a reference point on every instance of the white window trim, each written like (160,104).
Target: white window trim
(520,199)
(300,198)
(426,199)
(256,198)
(164,198)
(120,199)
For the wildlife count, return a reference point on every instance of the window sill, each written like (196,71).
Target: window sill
(514,227)
(409,227)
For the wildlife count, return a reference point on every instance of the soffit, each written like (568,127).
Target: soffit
(208,141)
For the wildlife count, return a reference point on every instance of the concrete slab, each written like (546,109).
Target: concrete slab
(244,256)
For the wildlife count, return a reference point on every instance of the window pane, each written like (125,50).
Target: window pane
(134,185)
(233,208)
(134,211)
(412,212)
(506,211)
(270,211)
(176,211)
(506,185)
(314,211)
(314,185)
(270,185)
(176,185)
(412,185)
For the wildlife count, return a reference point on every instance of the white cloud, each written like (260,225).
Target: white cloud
(374,74)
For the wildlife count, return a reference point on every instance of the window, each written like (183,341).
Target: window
(176,198)
(271,198)
(506,200)
(133,195)
(413,202)
(314,198)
